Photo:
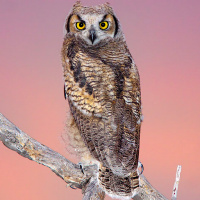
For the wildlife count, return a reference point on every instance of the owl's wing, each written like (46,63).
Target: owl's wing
(123,143)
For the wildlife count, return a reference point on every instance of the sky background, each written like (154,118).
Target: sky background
(164,40)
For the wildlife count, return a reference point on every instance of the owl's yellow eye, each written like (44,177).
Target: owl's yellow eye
(103,25)
(80,25)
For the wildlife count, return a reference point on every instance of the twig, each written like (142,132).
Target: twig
(175,189)
(16,140)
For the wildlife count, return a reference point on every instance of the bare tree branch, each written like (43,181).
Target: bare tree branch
(85,179)
(16,140)
(146,191)
(92,190)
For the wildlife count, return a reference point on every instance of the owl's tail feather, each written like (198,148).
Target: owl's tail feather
(117,186)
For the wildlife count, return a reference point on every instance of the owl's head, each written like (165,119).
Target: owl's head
(92,24)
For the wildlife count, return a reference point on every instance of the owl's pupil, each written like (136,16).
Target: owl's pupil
(81,24)
(103,24)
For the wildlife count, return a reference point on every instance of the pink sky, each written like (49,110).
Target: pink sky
(164,39)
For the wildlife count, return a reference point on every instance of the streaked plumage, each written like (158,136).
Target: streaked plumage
(103,89)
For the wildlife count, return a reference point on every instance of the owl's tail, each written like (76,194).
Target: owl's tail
(117,186)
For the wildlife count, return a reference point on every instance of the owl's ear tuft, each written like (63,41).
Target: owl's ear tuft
(77,4)
(68,23)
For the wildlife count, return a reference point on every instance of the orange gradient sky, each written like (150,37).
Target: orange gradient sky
(164,40)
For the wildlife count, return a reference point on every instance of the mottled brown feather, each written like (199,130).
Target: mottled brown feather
(103,88)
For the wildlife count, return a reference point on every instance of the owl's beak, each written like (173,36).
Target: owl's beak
(92,35)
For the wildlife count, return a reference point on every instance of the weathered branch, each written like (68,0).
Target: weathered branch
(16,140)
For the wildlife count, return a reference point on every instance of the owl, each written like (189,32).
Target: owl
(102,87)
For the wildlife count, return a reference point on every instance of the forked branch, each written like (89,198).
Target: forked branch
(16,140)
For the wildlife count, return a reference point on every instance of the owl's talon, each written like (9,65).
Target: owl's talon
(140,165)
(74,188)
(81,167)
(71,185)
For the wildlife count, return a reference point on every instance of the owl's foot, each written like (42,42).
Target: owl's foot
(85,168)
(74,185)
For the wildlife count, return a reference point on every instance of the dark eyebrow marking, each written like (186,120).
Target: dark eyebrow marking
(104,18)
(116,25)
(67,25)
(79,18)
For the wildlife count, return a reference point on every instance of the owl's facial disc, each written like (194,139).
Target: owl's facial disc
(92,28)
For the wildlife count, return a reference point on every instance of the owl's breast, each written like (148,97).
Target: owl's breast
(89,83)
(95,78)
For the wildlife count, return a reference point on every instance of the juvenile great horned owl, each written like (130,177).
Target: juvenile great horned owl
(103,89)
